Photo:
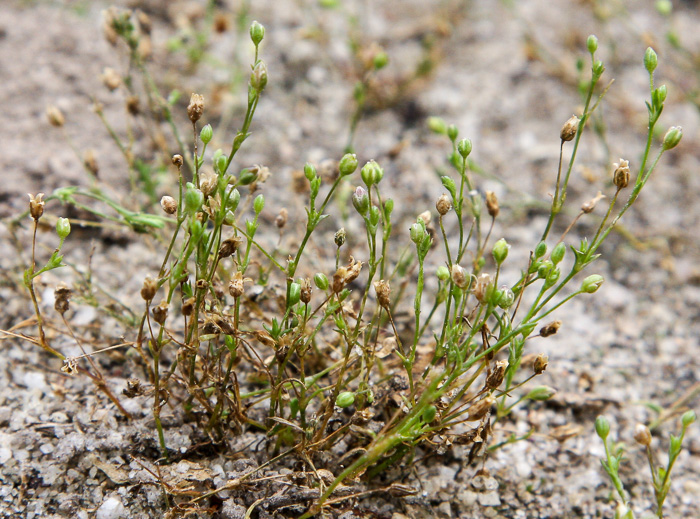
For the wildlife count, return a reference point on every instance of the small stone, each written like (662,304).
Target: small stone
(5,455)
(232,510)
(46,448)
(445,509)
(111,508)
(489,499)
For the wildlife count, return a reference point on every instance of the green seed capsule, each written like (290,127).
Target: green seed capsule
(345,399)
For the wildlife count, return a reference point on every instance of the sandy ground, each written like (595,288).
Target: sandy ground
(506,76)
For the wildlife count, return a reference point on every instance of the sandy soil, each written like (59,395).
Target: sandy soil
(506,76)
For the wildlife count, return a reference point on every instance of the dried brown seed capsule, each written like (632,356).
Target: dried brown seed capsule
(568,131)
(305,291)
(235,286)
(459,276)
(345,275)
(169,204)
(133,105)
(196,107)
(178,161)
(492,204)
(208,180)
(229,246)
(188,306)
(160,312)
(590,205)
(111,79)
(621,175)
(550,329)
(281,218)
(480,408)
(133,388)
(55,116)
(149,289)
(383,293)
(36,205)
(540,365)
(339,237)
(482,289)
(221,23)
(443,205)
(495,378)
(642,435)
(90,162)
(62,298)
(145,22)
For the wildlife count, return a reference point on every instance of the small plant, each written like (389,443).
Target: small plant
(317,354)
(660,475)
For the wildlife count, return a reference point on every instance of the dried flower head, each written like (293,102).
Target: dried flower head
(492,204)
(339,237)
(62,298)
(550,329)
(133,388)
(568,131)
(443,205)
(235,286)
(345,275)
(178,160)
(148,291)
(169,204)
(281,218)
(229,246)
(383,293)
(305,292)
(36,205)
(495,378)
(133,105)
(621,175)
(590,205)
(55,116)
(160,312)
(458,276)
(196,107)
(642,435)
(70,366)
(483,287)
(426,217)
(90,162)
(188,305)
(110,78)
(208,180)
(480,408)
(540,365)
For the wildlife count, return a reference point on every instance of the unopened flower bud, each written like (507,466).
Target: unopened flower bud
(492,204)
(257,33)
(592,44)
(621,175)
(294,294)
(568,131)
(443,273)
(360,200)
(437,125)
(540,365)
(196,107)
(500,251)
(417,232)
(148,291)
(345,399)
(321,281)
(464,147)
(688,418)
(650,60)
(62,228)
(443,205)
(673,137)
(550,329)
(642,435)
(348,164)
(592,283)
(55,116)
(169,204)
(558,253)
(541,393)
(602,427)
(371,173)
(206,134)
